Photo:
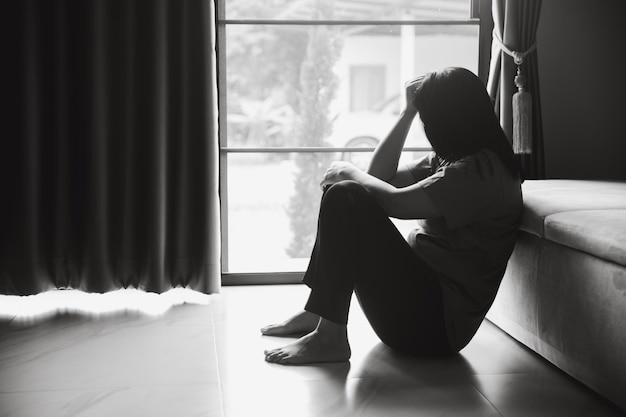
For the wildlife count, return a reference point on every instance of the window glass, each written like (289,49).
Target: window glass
(307,82)
(272,210)
(367,87)
(334,86)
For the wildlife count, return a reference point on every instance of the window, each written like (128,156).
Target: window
(306,82)
(367,87)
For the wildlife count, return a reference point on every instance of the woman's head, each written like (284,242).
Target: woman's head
(458,116)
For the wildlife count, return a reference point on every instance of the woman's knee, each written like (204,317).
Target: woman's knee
(351,197)
(345,191)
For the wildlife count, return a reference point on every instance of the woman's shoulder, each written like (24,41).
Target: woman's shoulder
(482,165)
(476,162)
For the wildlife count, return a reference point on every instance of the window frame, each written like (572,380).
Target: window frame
(480,15)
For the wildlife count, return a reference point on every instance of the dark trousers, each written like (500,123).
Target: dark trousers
(358,249)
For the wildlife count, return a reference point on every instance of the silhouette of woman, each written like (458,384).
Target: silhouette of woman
(426,294)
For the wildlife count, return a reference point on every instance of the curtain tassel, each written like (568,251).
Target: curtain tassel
(522,116)
(522,103)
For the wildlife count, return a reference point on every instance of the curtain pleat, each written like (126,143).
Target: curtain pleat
(516,23)
(111,179)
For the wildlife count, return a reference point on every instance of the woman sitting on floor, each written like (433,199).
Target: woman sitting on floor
(427,294)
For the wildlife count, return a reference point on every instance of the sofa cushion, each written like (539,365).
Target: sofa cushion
(601,233)
(543,198)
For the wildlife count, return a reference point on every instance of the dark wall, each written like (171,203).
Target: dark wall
(582,66)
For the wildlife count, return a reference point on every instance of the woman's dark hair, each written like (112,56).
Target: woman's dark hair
(459,119)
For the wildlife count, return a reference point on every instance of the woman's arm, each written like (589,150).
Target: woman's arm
(410,202)
(384,163)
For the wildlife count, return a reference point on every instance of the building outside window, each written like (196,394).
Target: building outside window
(367,87)
(306,82)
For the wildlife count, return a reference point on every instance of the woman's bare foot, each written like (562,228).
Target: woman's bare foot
(301,323)
(327,343)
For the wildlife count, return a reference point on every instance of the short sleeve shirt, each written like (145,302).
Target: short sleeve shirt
(469,246)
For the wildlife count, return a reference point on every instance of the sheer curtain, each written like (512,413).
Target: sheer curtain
(109,176)
(515,24)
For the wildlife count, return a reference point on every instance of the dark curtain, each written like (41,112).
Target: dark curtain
(516,24)
(109,157)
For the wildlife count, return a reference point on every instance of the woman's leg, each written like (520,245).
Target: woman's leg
(331,234)
(402,300)
(327,339)
(358,248)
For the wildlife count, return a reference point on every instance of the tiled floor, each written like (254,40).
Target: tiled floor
(207,360)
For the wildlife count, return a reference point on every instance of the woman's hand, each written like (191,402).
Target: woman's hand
(384,162)
(339,171)
(411,88)
(410,202)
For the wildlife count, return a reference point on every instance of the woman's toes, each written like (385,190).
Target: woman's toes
(274,330)
(271,355)
(285,359)
(274,356)
(301,323)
